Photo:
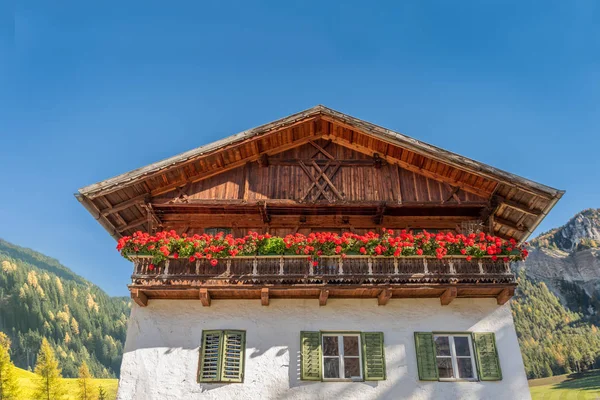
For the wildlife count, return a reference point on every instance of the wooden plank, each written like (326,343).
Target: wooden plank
(264,296)
(205,297)
(139,297)
(384,297)
(448,295)
(505,295)
(323,296)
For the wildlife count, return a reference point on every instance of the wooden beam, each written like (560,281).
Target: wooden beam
(264,213)
(509,224)
(124,205)
(322,150)
(133,224)
(139,297)
(505,295)
(521,207)
(264,296)
(323,296)
(216,171)
(263,160)
(411,167)
(378,219)
(448,295)
(440,155)
(205,297)
(384,297)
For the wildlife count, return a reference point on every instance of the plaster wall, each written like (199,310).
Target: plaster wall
(162,348)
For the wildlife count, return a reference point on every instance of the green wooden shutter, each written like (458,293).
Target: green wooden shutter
(373,356)
(426,361)
(210,356)
(488,364)
(310,356)
(232,363)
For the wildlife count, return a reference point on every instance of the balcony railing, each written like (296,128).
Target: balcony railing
(331,270)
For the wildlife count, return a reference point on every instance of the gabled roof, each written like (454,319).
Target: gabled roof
(524,202)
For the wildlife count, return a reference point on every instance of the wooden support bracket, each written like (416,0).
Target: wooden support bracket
(205,297)
(139,297)
(505,295)
(448,295)
(264,296)
(384,297)
(323,296)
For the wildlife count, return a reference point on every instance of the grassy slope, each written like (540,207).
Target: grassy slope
(567,387)
(27,384)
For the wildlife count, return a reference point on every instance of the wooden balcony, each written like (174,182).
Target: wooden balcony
(266,277)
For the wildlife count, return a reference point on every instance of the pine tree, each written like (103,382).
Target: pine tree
(85,383)
(50,385)
(9,388)
(101,393)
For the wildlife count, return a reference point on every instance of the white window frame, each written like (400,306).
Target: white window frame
(453,357)
(341,356)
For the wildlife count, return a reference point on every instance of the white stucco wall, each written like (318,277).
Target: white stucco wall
(161,351)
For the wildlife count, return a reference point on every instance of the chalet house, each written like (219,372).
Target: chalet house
(356,326)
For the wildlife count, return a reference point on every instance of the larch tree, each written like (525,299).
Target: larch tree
(85,383)
(9,388)
(49,385)
(101,393)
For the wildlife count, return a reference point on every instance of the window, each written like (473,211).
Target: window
(222,356)
(457,356)
(349,356)
(341,356)
(454,357)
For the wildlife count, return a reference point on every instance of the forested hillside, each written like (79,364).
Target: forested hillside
(39,297)
(553,339)
(558,298)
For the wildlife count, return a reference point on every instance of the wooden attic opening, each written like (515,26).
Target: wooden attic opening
(318,168)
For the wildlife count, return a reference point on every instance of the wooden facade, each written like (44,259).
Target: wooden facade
(319,170)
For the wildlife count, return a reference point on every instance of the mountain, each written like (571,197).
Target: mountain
(555,307)
(39,297)
(567,260)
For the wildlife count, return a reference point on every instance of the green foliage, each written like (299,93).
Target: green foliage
(84,382)
(553,340)
(50,384)
(9,389)
(40,298)
(271,246)
(101,393)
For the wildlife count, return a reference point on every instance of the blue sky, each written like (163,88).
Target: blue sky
(88,91)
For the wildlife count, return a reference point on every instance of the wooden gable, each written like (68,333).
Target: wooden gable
(318,168)
(321,172)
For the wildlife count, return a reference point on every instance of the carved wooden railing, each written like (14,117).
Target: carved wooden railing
(329,270)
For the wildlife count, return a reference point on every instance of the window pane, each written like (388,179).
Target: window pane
(331,367)
(461,344)
(351,367)
(442,345)
(351,345)
(465,368)
(445,367)
(330,346)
